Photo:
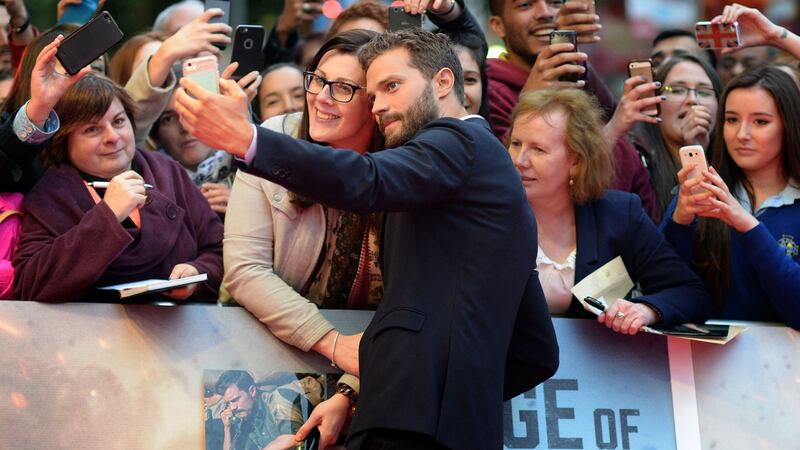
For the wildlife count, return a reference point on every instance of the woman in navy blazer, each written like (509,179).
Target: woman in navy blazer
(557,144)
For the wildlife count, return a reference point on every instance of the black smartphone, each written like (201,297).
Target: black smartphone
(224,5)
(399,19)
(248,49)
(566,37)
(595,303)
(88,42)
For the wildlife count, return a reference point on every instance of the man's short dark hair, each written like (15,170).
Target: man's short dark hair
(677,32)
(240,378)
(496,7)
(669,34)
(430,52)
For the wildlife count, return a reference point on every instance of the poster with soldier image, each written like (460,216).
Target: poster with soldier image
(249,410)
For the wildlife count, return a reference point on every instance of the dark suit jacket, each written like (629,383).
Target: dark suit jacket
(463,323)
(616,225)
(20,168)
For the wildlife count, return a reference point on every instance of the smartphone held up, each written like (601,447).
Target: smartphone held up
(566,37)
(88,43)
(694,156)
(644,68)
(204,71)
(717,35)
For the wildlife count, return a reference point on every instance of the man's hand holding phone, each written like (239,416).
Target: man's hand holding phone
(555,61)
(579,16)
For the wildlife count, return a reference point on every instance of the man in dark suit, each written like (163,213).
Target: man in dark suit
(463,323)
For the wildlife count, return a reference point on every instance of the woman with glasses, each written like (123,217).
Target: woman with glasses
(287,256)
(107,213)
(689,92)
(739,222)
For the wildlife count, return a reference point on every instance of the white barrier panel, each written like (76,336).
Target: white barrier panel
(103,376)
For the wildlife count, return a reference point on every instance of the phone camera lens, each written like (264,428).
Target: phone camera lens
(248,44)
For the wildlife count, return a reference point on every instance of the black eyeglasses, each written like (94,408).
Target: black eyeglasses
(339,90)
(679,92)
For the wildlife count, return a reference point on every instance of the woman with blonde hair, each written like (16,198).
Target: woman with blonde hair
(558,146)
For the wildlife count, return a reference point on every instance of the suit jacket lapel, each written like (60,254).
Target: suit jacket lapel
(588,241)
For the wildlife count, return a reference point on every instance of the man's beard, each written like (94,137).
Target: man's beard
(517,43)
(417,116)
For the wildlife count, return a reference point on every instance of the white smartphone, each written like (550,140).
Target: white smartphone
(204,71)
(717,35)
(694,155)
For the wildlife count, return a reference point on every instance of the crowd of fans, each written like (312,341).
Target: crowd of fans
(602,177)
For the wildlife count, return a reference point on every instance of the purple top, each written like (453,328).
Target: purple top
(69,244)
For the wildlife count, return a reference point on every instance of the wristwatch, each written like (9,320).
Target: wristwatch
(21,29)
(348,392)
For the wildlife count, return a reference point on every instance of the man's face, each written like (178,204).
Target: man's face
(525,26)
(733,64)
(181,145)
(403,100)
(666,48)
(240,401)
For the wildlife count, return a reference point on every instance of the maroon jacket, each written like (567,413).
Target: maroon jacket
(69,244)
(630,175)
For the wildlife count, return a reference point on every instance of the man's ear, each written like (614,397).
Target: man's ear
(443,82)
(253,391)
(497,26)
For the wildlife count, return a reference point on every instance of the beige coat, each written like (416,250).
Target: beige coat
(270,249)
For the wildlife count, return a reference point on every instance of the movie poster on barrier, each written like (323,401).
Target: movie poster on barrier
(614,395)
(248,410)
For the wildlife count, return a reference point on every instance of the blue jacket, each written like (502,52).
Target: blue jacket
(616,225)
(764,262)
(463,322)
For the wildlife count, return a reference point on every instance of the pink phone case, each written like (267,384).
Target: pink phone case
(204,71)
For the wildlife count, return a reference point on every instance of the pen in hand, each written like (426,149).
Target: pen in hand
(104,185)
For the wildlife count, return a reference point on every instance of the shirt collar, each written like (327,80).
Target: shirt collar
(786,197)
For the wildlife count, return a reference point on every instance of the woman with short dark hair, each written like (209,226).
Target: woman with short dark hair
(76,236)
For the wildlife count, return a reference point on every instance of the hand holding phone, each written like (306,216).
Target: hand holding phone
(694,156)
(88,43)
(566,37)
(225,6)
(644,68)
